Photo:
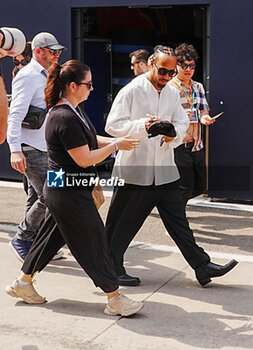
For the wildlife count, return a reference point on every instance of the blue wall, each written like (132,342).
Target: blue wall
(34,16)
(230,81)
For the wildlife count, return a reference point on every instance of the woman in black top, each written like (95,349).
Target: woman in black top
(73,149)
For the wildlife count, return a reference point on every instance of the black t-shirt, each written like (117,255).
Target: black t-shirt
(64,131)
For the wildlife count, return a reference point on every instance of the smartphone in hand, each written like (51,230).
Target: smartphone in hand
(217,115)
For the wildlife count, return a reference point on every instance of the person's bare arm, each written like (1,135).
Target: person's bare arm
(3,111)
(84,157)
(104,141)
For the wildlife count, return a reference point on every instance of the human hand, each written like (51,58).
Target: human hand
(167,139)
(162,128)
(127,143)
(18,161)
(150,120)
(189,113)
(4,53)
(206,120)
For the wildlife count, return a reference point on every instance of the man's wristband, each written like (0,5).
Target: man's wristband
(116,146)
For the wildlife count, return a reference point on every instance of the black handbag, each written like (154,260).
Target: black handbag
(35,118)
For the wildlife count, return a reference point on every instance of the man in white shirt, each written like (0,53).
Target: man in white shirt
(150,174)
(28,146)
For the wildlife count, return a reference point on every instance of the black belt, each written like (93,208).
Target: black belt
(188,144)
(26,147)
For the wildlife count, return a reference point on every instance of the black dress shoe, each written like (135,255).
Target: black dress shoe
(126,280)
(204,273)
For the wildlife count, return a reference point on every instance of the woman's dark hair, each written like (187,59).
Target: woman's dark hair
(27,53)
(185,52)
(60,77)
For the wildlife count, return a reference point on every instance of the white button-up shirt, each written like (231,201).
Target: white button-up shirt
(27,90)
(149,163)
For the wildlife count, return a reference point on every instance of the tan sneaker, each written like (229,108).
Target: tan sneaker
(121,305)
(27,293)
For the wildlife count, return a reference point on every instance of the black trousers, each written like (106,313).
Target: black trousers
(73,219)
(129,208)
(192,170)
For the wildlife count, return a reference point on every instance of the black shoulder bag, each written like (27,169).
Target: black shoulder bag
(35,116)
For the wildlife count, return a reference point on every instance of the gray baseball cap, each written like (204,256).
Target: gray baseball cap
(46,40)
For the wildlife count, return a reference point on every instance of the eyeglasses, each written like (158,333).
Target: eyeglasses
(89,84)
(53,51)
(185,65)
(136,62)
(23,62)
(164,71)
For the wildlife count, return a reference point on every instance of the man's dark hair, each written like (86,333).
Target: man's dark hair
(158,49)
(141,55)
(185,52)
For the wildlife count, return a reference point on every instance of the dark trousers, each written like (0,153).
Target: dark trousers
(192,170)
(73,219)
(36,172)
(129,208)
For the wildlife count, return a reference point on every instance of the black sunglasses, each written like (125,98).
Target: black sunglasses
(23,62)
(163,71)
(185,65)
(89,84)
(53,51)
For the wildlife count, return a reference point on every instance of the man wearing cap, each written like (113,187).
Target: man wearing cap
(28,146)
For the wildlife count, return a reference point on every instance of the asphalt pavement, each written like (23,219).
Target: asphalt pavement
(178,313)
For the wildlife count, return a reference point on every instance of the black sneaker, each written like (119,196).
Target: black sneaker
(20,247)
(127,280)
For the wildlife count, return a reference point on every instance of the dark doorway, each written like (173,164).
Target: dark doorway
(129,29)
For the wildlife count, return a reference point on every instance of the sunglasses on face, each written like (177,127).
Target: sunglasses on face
(23,62)
(164,71)
(89,84)
(185,65)
(53,51)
